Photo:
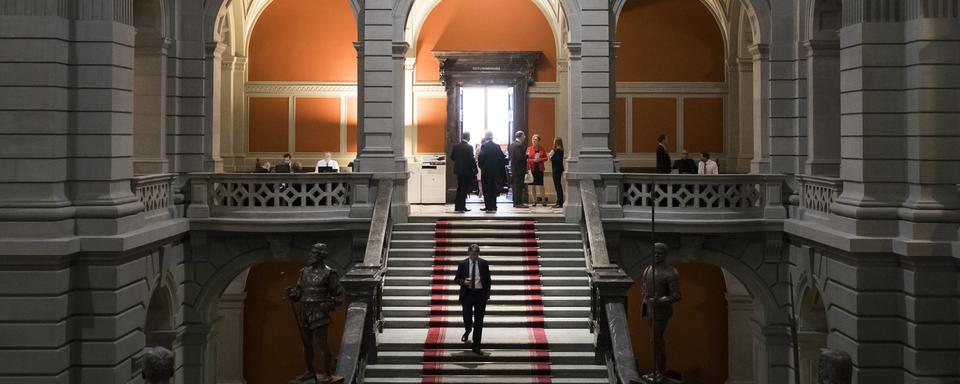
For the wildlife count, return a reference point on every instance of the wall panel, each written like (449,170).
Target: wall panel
(318,124)
(703,125)
(431,122)
(269,124)
(541,116)
(652,116)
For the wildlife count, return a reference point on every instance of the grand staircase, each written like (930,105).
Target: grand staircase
(536,328)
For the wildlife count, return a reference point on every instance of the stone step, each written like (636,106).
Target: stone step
(493,260)
(497,290)
(453,301)
(558,340)
(471,379)
(484,233)
(490,356)
(491,369)
(495,270)
(487,224)
(392,280)
(427,250)
(489,322)
(487,242)
(454,309)
(485,218)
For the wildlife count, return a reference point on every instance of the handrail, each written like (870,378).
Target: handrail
(155,192)
(609,285)
(364,285)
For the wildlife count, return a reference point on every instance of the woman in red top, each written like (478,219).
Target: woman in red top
(536,157)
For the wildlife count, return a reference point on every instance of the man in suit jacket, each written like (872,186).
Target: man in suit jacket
(518,167)
(465,168)
(473,277)
(663,157)
(491,160)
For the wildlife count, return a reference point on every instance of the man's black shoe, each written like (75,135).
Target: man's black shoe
(465,335)
(477,350)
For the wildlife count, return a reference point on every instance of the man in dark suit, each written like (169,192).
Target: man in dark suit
(663,156)
(473,277)
(465,168)
(518,168)
(491,160)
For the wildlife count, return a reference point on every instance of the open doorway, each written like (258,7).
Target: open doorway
(487,109)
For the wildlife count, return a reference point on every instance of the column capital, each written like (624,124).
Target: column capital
(400,49)
(575,50)
(759,51)
(214,49)
(358,45)
(153,45)
(822,47)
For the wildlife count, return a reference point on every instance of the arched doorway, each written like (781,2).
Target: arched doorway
(160,325)
(812,331)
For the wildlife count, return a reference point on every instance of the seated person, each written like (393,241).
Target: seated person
(707,166)
(285,166)
(327,164)
(263,167)
(685,165)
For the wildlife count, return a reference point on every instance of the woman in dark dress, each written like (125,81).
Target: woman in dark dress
(556,161)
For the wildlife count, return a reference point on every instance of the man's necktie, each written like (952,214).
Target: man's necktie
(473,275)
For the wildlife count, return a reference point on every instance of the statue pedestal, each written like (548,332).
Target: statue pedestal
(335,379)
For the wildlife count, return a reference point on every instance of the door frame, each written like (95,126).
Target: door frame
(458,69)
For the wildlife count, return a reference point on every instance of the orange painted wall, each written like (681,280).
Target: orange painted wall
(431,125)
(272,350)
(703,124)
(696,335)
(304,40)
(487,25)
(669,40)
(269,123)
(351,124)
(318,124)
(620,123)
(651,117)
(541,115)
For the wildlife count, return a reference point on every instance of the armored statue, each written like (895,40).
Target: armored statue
(317,293)
(157,365)
(661,288)
(834,367)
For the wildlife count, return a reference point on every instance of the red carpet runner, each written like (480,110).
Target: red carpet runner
(449,249)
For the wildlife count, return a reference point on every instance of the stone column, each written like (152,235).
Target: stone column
(233,133)
(745,128)
(230,338)
(772,354)
(740,348)
(823,108)
(212,88)
(593,100)
(761,109)
(380,74)
(150,106)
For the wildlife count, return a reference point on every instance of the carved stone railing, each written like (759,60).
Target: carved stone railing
(364,285)
(608,285)
(702,199)
(156,194)
(280,197)
(818,193)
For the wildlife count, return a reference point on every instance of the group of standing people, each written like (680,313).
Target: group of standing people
(523,160)
(686,165)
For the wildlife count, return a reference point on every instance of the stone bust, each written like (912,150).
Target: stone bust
(834,367)
(157,365)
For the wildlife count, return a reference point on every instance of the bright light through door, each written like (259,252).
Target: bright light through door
(487,109)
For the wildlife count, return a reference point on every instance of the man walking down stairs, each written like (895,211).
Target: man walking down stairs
(536,328)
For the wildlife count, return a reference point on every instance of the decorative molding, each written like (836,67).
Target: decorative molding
(59,8)
(298,88)
(671,88)
(895,11)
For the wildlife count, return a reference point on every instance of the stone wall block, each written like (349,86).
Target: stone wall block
(34,361)
(33,308)
(108,302)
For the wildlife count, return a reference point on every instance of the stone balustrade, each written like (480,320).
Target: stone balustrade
(156,194)
(274,198)
(817,193)
(696,199)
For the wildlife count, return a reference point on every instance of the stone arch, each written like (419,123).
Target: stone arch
(421,10)
(717,8)
(403,9)
(160,320)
